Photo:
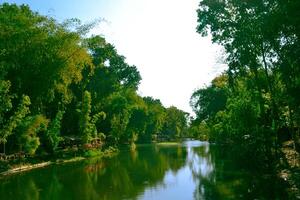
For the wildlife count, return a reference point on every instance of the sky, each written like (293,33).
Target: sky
(157,36)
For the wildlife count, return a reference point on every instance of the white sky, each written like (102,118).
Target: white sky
(158,36)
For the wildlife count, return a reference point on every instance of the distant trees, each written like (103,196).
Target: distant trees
(175,125)
(56,82)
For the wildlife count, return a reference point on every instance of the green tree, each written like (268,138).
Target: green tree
(53,131)
(87,121)
(119,116)
(155,120)
(5,99)
(208,101)
(14,120)
(85,118)
(261,42)
(137,122)
(39,56)
(28,133)
(175,124)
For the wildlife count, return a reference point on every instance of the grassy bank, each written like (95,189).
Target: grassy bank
(168,143)
(25,164)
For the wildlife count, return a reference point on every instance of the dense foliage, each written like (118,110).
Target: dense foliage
(57,84)
(255,104)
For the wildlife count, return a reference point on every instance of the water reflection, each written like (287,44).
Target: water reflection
(194,170)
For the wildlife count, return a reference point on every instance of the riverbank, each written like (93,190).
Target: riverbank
(167,143)
(18,166)
(34,163)
(289,170)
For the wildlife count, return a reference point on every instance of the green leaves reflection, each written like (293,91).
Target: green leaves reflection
(124,176)
(209,171)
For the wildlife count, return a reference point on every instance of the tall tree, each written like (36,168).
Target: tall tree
(40,57)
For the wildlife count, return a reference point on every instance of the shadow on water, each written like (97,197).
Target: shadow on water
(194,170)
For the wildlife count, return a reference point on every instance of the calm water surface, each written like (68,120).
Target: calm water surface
(193,170)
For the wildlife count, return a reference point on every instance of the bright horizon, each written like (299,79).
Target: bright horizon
(159,37)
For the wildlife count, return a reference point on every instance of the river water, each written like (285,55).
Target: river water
(192,170)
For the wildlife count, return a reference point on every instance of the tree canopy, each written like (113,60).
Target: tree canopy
(55,83)
(255,99)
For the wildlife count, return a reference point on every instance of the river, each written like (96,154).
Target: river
(192,170)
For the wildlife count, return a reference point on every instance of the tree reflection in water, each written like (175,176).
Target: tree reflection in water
(219,176)
(194,170)
(122,177)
